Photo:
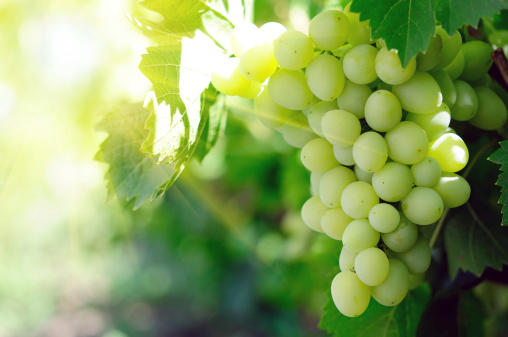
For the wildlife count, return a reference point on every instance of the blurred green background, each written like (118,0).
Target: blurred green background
(224,253)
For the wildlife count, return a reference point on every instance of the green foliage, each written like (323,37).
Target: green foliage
(501,157)
(473,243)
(404,25)
(456,314)
(132,174)
(378,321)
(407,25)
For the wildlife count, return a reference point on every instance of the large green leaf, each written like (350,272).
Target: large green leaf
(407,25)
(453,14)
(473,242)
(501,157)
(378,321)
(132,174)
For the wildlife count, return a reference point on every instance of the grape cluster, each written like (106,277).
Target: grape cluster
(374,135)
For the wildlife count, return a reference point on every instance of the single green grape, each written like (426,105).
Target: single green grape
(340,127)
(450,151)
(426,173)
(370,151)
(359,64)
(491,113)
(371,266)
(403,237)
(350,295)
(453,189)
(289,89)
(329,29)
(293,50)
(325,77)
(382,111)
(450,49)
(357,199)
(466,105)
(390,70)
(334,223)
(395,287)
(420,94)
(392,182)
(353,98)
(384,218)
(332,183)
(360,235)
(312,212)
(316,113)
(407,143)
(344,155)
(317,155)
(477,60)
(423,206)
(417,259)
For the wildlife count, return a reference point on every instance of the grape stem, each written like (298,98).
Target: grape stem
(472,162)
(502,65)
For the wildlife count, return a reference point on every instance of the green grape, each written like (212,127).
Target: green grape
(347,259)
(453,189)
(384,218)
(296,131)
(325,77)
(353,98)
(329,30)
(417,259)
(315,100)
(312,212)
(427,60)
(359,32)
(456,67)
(270,31)
(407,143)
(293,50)
(467,102)
(333,182)
(382,111)
(288,88)
(395,287)
(403,237)
(357,199)
(389,69)
(477,60)
(315,178)
(434,124)
(450,151)
(252,91)
(350,295)
(269,113)
(359,64)
(316,113)
(317,155)
(244,36)
(416,280)
(491,113)
(421,94)
(426,173)
(371,266)
(334,222)
(340,127)
(423,206)
(447,87)
(359,235)
(370,151)
(392,182)
(362,175)
(227,78)
(451,46)
(258,63)
(344,155)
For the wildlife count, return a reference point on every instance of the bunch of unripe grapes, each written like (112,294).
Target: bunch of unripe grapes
(374,135)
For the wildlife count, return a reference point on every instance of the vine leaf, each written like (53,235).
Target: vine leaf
(473,243)
(378,321)
(186,114)
(132,175)
(456,13)
(501,157)
(407,25)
